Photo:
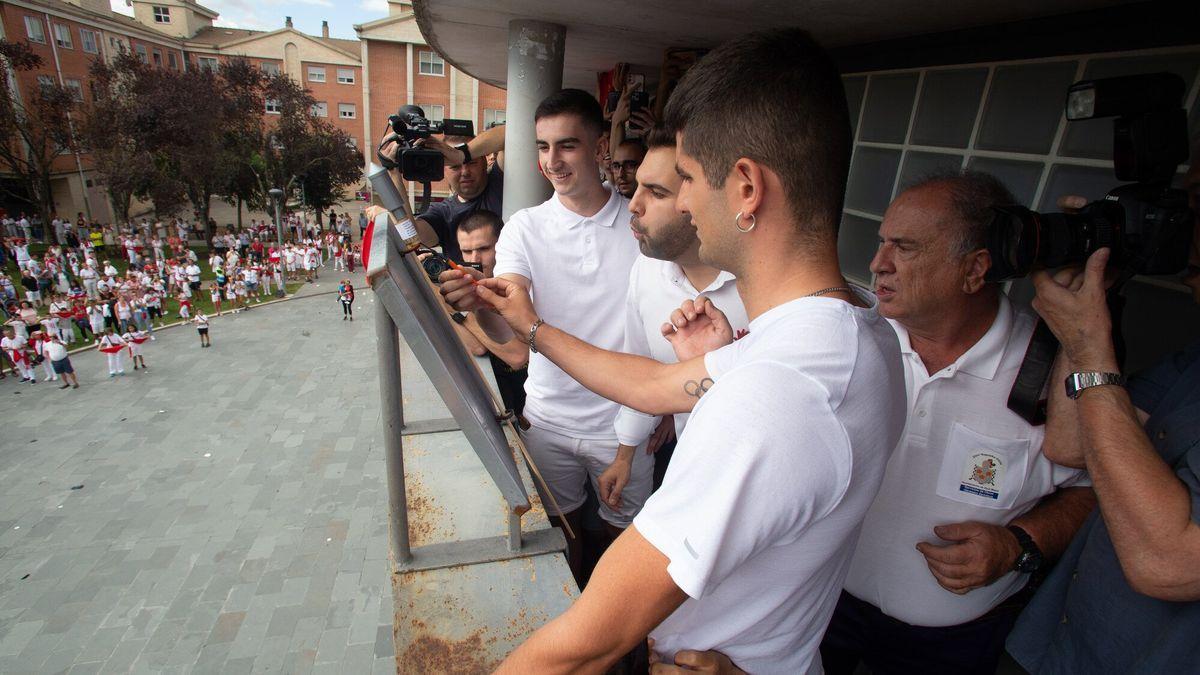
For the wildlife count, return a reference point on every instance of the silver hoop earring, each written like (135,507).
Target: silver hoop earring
(737,222)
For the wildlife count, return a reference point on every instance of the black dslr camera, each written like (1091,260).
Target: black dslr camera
(1146,224)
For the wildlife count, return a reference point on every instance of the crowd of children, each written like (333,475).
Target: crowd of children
(73,294)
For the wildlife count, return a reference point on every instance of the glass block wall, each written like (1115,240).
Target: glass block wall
(1004,118)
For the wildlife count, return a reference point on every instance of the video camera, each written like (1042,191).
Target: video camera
(1146,224)
(417,164)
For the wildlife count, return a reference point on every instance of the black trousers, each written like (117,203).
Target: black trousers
(347,308)
(859,632)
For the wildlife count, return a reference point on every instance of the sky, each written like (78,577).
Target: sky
(306,14)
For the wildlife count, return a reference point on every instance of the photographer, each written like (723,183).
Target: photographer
(1124,596)
(475,186)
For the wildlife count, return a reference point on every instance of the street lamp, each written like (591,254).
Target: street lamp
(277,196)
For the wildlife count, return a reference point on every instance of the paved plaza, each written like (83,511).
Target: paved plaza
(223,512)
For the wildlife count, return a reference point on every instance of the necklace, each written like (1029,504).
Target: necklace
(831,289)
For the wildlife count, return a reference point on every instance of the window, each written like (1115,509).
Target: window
(76,88)
(157,58)
(492,118)
(174,65)
(45,82)
(207,63)
(35,30)
(90,41)
(270,68)
(345,75)
(162,14)
(143,56)
(273,106)
(431,64)
(434,113)
(316,74)
(117,45)
(62,36)
(346,111)
(320,109)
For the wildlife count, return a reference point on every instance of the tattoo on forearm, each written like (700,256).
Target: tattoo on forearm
(698,389)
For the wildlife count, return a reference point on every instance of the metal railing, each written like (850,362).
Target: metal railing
(407,306)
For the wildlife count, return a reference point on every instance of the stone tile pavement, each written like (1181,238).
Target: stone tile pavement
(232,516)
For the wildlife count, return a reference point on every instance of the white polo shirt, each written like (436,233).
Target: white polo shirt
(657,288)
(761,506)
(578,270)
(964,456)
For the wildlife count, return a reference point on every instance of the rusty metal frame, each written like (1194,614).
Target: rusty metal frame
(408,307)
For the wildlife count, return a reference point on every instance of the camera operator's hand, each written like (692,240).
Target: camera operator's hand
(458,289)
(1075,309)
(454,156)
(697,328)
(511,301)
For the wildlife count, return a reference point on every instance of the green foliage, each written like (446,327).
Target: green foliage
(36,127)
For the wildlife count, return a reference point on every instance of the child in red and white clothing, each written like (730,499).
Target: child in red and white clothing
(135,338)
(185,307)
(214,292)
(201,322)
(112,345)
(38,342)
(14,347)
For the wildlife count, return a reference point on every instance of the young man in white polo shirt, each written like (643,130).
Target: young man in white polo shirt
(668,272)
(745,546)
(573,253)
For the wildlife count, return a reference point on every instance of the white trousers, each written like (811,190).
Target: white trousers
(114,363)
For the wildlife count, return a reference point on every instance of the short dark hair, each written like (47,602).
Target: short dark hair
(660,136)
(573,102)
(774,97)
(480,219)
(972,196)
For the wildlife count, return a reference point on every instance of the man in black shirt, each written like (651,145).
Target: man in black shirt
(474,186)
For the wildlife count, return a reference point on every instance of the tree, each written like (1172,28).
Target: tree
(108,131)
(36,126)
(299,149)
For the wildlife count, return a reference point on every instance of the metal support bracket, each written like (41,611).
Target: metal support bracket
(481,551)
(433,426)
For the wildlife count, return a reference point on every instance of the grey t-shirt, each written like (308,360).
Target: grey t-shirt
(444,216)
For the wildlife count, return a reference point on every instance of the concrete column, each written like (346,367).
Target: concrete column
(535,70)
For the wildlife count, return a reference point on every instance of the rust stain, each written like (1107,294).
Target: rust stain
(430,654)
(427,521)
(321,458)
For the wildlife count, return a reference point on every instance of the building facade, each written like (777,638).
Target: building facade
(357,83)
(400,68)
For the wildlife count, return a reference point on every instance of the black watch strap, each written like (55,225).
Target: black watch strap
(1030,559)
(466,151)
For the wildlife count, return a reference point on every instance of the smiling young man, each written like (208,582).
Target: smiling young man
(745,546)
(573,254)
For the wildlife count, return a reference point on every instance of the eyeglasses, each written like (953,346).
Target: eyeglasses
(627,165)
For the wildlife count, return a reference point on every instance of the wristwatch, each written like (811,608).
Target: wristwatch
(1030,560)
(462,147)
(1077,382)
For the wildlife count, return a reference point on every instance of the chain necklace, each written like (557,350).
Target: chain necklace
(831,289)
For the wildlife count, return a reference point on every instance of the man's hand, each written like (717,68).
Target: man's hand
(642,121)
(1075,309)
(688,661)
(663,433)
(980,554)
(458,289)
(615,477)
(620,114)
(510,300)
(454,156)
(697,328)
